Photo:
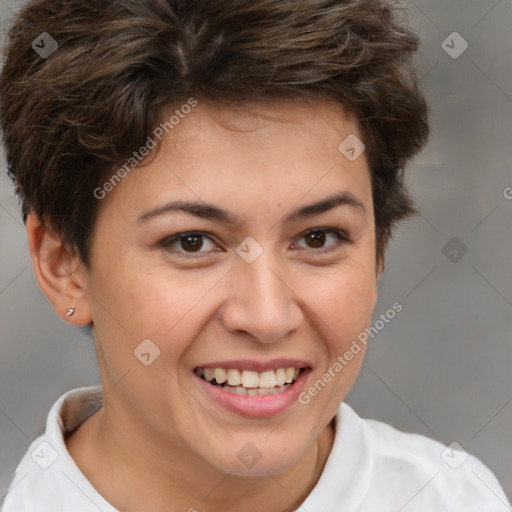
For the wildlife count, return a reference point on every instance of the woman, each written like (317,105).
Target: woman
(209,188)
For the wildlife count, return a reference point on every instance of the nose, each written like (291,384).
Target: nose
(261,303)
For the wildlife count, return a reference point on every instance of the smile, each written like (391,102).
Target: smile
(253,389)
(250,383)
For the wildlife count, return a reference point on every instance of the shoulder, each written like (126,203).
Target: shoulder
(427,472)
(47,478)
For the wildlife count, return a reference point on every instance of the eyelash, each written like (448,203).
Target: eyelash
(342,238)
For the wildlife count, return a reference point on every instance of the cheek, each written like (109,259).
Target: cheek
(169,308)
(345,304)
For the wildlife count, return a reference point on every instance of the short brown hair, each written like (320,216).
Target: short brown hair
(70,118)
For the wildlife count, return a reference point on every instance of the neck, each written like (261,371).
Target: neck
(117,463)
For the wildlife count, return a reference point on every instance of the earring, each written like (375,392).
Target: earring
(70,311)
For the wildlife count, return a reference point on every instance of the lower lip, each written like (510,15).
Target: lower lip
(255,406)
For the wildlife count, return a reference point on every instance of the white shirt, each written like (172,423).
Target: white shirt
(372,467)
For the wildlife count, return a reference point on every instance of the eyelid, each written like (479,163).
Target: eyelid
(337,231)
(169,240)
(340,234)
(166,242)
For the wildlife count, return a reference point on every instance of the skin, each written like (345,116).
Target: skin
(158,432)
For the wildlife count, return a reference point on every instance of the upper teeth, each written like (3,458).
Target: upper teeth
(250,379)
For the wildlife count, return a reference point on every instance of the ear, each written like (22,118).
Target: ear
(61,276)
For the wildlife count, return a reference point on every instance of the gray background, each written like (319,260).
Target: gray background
(442,366)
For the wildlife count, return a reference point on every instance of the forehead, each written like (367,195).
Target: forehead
(273,125)
(252,156)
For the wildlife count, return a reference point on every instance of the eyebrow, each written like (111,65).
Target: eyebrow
(211,212)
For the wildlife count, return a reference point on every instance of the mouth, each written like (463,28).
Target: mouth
(251,383)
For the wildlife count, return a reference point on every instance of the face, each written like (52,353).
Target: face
(244,254)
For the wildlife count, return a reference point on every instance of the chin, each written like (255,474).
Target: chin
(260,458)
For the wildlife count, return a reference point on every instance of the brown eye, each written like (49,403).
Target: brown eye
(322,238)
(188,243)
(191,243)
(315,239)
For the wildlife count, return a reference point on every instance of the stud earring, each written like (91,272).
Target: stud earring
(70,311)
